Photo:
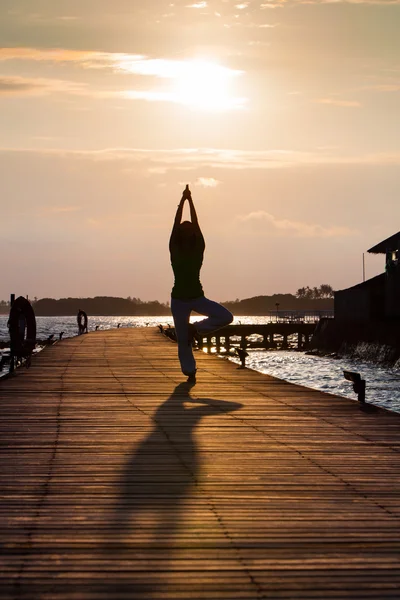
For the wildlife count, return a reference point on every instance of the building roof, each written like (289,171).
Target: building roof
(376,282)
(389,245)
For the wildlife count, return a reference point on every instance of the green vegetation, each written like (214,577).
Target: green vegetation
(324,291)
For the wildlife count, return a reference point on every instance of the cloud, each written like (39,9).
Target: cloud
(196,83)
(14,86)
(383,87)
(135,64)
(337,102)
(187,159)
(379,2)
(24,86)
(52,55)
(207,182)
(61,209)
(272,4)
(282,3)
(264,221)
(209,102)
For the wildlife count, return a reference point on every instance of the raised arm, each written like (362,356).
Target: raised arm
(177,221)
(193,214)
(193,218)
(178,218)
(179,212)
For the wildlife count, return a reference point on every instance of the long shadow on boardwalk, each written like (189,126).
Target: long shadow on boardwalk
(156,480)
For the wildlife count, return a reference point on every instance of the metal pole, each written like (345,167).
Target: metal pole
(363,266)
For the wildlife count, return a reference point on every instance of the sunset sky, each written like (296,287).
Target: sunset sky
(282,115)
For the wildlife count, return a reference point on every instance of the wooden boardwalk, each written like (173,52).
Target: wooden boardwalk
(120,482)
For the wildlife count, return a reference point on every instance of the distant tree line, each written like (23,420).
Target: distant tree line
(315,293)
(4,307)
(305,299)
(100,306)
(262,305)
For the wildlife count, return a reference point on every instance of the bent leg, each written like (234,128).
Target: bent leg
(218,315)
(181,312)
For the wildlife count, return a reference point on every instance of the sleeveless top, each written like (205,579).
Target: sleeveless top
(186,267)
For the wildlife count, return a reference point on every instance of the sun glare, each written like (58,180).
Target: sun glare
(207,86)
(198,84)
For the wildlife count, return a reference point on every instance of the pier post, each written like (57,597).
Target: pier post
(218,343)
(12,357)
(299,340)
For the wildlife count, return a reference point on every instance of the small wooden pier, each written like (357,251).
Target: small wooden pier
(273,335)
(118,481)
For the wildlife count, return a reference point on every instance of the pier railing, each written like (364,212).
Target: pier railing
(272,335)
(282,335)
(297,316)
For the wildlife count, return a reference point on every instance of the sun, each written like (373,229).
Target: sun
(199,84)
(207,86)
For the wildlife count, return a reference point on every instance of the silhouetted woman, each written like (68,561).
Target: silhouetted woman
(187,246)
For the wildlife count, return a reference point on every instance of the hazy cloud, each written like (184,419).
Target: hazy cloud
(207,182)
(337,102)
(61,209)
(52,54)
(265,221)
(282,3)
(15,86)
(185,159)
(22,86)
(383,87)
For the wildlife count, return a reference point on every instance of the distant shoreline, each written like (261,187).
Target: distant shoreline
(107,306)
(269,313)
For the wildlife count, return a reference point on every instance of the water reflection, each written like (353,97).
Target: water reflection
(326,374)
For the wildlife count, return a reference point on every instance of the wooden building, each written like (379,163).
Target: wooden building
(377,298)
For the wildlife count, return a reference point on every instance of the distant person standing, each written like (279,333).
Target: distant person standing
(82,320)
(187,247)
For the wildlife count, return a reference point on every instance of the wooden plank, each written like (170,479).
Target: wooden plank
(119,481)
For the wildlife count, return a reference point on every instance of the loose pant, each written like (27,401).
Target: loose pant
(217,316)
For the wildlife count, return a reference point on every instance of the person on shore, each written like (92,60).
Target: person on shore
(187,247)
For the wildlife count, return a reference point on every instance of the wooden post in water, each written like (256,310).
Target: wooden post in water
(218,343)
(299,340)
(12,358)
